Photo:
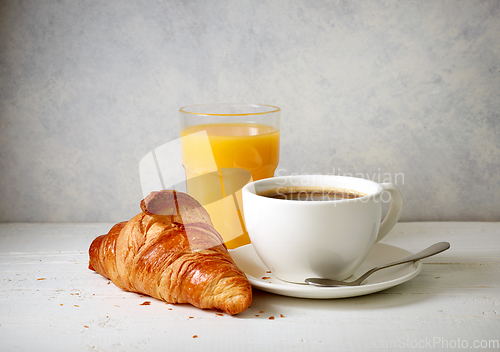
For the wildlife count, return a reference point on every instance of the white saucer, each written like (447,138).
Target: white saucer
(260,277)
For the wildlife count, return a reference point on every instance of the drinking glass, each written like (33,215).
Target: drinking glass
(225,146)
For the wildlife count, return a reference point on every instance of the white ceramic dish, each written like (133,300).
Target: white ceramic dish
(329,238)
(260,277)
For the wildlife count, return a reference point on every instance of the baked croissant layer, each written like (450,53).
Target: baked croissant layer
(172,252)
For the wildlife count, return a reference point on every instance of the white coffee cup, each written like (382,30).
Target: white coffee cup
(327,239)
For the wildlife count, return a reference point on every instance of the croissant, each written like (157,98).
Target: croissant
(172,252)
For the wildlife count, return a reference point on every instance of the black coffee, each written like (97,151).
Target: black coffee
(311,193)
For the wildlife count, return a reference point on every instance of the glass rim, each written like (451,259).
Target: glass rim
(274,109)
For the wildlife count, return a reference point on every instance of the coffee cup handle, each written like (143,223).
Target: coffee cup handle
(395,210)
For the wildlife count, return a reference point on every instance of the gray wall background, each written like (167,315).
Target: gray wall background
(379,88)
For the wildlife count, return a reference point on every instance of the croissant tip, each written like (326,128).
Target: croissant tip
(238,303)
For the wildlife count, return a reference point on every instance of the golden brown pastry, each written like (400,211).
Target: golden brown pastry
(171,251)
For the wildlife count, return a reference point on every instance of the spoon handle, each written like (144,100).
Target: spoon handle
(429,251)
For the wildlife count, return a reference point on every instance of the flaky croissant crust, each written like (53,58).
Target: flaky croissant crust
(171,251)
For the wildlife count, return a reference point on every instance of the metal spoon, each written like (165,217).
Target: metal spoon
(432,250)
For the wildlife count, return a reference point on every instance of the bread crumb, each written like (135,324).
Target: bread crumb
(271,318)
(195,336)
(145,303)
(266,278)
(42,278)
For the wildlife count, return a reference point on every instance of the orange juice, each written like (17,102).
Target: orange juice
(219,159)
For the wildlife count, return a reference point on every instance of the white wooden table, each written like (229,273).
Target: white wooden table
(50,301)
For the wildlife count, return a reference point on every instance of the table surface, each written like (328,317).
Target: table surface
(51,301)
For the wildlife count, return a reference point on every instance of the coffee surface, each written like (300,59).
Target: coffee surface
(304,193)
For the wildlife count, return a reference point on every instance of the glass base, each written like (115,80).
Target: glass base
(238,241)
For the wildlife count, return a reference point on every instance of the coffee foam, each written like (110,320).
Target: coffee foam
(346,193)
